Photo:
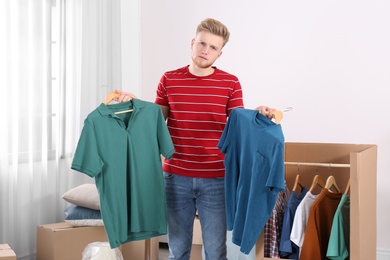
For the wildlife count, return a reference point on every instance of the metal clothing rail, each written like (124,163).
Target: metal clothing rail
(329,165)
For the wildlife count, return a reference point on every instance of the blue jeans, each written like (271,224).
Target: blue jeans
(185,196)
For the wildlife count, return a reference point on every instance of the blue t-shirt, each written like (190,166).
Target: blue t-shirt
(254,161)
(122,152)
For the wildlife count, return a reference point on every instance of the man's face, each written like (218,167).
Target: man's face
(206,49)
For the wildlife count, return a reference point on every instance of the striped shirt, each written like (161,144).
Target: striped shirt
(198,109)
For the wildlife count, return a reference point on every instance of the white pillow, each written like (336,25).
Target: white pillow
(85,222)
(85,195)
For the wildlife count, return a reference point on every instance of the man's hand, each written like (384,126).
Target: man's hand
(124,96)
(266,111)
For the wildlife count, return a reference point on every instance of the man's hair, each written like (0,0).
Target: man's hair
(215,27)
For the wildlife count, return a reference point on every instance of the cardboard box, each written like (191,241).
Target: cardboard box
(6,252)
(197,233)
(141,250)
(197,242)
(196,252)
(362,170)
(62,241)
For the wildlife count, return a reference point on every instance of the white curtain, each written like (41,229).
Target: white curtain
(58,60)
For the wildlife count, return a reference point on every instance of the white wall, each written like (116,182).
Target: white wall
(329,60)
(131,46)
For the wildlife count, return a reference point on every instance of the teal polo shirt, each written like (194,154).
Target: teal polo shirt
(122,152)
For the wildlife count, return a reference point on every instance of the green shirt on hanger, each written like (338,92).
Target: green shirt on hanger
(123,153)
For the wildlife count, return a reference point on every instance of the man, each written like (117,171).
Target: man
(196,101)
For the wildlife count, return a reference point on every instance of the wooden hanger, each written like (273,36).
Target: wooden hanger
(278,115)
(331,182)
(297,183)
(317,180)
(110,96)
(348,187)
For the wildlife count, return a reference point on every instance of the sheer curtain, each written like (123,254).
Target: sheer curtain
(58,60)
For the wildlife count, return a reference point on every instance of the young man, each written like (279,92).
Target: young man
(196,101)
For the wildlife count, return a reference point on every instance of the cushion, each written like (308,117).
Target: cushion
(81,216)
(85,195)
(85,222)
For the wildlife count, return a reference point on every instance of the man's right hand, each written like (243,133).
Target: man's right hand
(124,96)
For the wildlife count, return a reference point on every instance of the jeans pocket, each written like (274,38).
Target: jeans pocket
(167,175)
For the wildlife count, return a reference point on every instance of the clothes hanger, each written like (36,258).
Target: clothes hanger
(331,182)
(297,183)
(278,115)
(110,97)
(317,180)
(348,187)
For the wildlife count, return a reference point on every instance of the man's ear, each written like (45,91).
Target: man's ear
(220,53)
(192,42)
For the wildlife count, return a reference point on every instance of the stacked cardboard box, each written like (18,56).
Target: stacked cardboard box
(6,252)
(62,241)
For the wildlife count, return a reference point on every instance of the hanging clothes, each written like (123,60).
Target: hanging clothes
(338,247)
(122,152)
(301,217)
(288,249)
(319,225)
(273,228)
(254,161)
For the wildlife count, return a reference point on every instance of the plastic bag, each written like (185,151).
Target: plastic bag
(101,251)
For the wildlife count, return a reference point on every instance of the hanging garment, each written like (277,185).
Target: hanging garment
(298,228)
(273,227)
(254,161)
(319,225)
(288,249)
(122,152)
(338,247)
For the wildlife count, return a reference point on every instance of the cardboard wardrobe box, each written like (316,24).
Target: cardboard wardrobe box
(356,163)
(6,252)
(62,241)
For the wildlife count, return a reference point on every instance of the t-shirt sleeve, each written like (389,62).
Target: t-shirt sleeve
(86,158)
(161,93)
(235,99)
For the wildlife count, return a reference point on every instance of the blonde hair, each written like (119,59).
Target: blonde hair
(215,27)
